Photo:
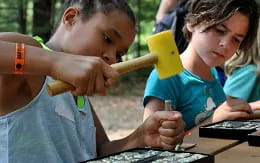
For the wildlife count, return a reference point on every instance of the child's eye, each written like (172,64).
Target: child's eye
(237,40)
(220,31)
(107,39)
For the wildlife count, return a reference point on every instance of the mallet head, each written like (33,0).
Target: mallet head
(164,46)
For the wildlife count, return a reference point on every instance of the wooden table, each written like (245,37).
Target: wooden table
(242,153)
(209,145)
(224,150)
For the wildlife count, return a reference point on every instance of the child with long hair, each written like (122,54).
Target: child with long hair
(243,71)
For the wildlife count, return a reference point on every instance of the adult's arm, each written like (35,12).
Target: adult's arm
(165,6)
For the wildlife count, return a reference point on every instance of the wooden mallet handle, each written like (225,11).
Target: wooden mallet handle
(57,87)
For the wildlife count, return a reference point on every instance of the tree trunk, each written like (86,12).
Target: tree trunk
(139,28)
(22,15)
(42,18)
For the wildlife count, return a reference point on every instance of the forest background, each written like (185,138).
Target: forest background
(39,17)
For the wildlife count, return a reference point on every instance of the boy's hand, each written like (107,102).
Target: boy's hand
(232,109)
(88,74)
(163,129)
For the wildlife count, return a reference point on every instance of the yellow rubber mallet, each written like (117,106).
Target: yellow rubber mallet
(164,55)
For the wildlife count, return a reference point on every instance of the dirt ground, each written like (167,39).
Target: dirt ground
(121,111)
(120,115)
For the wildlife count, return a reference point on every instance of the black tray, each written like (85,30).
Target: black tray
(229,129)
(254,138)
(147,155)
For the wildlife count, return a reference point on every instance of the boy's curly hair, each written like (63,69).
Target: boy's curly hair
(214,12)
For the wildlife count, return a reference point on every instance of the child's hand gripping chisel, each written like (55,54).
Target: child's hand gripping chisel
(181,146)
(168,107)
(164,55)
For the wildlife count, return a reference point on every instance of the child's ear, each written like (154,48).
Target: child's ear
(190,27)
(70,16)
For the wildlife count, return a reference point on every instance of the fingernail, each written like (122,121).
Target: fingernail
(176,116)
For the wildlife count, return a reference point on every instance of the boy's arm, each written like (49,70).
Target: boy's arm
(162,129)
(34,57)
(101,136)
(85,73)
(18,38)
(110,147)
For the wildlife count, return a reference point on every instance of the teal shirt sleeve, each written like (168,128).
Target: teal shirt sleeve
(241,83)
(162,89)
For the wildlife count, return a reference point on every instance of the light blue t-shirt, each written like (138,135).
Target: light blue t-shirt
(244,84)
(48,130)
(194,97)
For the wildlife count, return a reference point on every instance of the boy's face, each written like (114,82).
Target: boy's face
(220,42)
(106,36)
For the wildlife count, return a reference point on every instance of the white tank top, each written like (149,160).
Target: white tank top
(48,129)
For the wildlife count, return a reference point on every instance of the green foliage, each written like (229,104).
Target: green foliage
(145,10)
(8,16)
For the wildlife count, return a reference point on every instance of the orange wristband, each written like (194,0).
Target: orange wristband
(19,58)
